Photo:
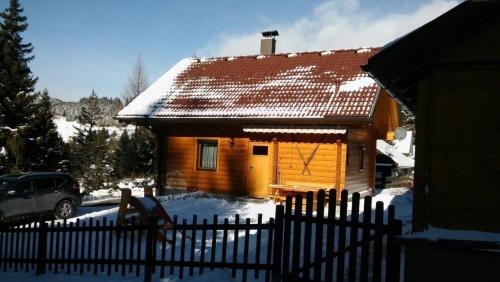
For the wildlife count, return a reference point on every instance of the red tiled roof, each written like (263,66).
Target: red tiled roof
(297,85)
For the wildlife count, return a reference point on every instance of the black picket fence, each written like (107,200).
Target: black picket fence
(293,246)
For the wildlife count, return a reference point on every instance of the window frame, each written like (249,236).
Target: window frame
(199,143)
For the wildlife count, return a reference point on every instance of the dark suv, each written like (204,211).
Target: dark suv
(34,194)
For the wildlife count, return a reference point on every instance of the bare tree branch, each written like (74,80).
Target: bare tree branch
(137,81)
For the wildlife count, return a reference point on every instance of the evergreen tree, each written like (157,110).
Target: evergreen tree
(18,84)
(91,153)
(144,151)
(16,87)
(121,156)
(98,173)
(44,148)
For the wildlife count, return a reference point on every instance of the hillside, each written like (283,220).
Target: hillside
(71,110)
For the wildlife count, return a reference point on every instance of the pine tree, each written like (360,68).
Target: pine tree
(16,80)
(91,154)
(144,151)
(98,173)
(16,87)
(44,148)
(121,156)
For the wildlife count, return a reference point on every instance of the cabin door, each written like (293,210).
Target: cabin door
(259,170)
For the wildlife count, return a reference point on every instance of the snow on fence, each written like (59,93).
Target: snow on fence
(295,246)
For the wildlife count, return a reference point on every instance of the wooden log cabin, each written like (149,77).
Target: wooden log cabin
(257,125)
(447,72)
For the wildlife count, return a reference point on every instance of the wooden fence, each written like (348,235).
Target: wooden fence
(293,246)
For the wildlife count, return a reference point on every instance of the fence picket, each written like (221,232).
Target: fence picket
(307,234)
(330,234)
(16,248)
(342,236)
(204,243)
(82,247)
(138,258)
(183,246)
(70,249)
(35,237)
(365,245)
(110,246)
(213,245)
(245,249)
(58,241)
(257,244)
(132,247)
(287,233)
(224,240)
(193,242)
(173,245)
(124,233)
(42,249)
(23,228)
(96,246)
(377,243)
(77,245)
(103,243)
(297,229)
(318,246)
(63,248)
(163,254)
(28,249)
(271,245)
(235,245)
(89,244)
(353,238)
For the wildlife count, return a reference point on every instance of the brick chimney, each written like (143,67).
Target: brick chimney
(268,42)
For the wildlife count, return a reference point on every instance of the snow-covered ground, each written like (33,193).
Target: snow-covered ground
(67,129)
(185,205)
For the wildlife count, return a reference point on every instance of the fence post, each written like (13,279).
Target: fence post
(42,248)
(393,250)
(278,243)
(149,265)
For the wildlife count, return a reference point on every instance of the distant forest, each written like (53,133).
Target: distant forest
(109,107)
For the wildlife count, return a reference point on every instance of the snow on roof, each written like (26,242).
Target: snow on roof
(401,160)
(295,85)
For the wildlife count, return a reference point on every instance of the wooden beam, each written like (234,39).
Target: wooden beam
(338,175)
(160,162)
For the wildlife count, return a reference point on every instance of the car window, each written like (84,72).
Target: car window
(23,187)
(60,181)
(43,184)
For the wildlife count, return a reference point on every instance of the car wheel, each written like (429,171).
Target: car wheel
(65,209)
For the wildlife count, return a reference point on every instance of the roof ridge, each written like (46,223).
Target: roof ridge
(319,52)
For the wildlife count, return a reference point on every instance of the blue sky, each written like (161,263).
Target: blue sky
(85,44)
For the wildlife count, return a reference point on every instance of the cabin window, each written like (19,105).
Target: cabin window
(259,150)
(207,154)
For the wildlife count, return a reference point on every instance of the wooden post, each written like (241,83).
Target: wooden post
(150,245)
(161,162)
(338,175)
(42,248)
(393,259)
(278,243)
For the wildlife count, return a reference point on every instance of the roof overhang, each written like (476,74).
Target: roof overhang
(399,64)
(165,121)
(296,129)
